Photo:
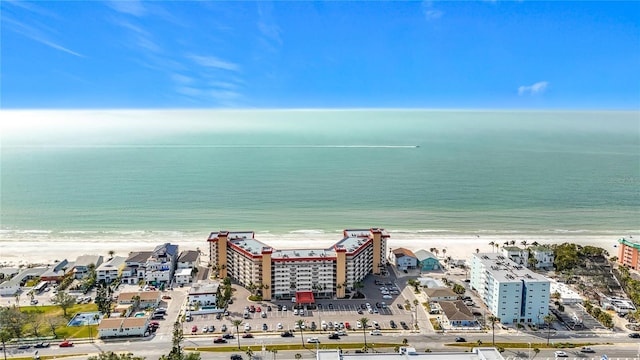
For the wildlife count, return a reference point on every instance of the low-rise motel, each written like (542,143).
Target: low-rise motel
(629,253)
(280,274)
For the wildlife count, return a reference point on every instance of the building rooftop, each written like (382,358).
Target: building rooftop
(183,272)
(112,264)
(117,323)
(512,248)
(188,256)
(505,270)
(144,295)
(165,250)
(422,255)
(456,310)
(628,242)
(17,280)
(138,256)
(204,288)
(439,292)
(85,260)
(400,252)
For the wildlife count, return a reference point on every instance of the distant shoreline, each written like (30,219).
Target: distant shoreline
(26,251)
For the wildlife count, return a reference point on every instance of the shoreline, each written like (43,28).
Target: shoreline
(26,251)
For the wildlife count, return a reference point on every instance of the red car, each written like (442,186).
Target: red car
(347,325)
(66,343)
(247,336)
(194,329)
(258,309)
(219,340)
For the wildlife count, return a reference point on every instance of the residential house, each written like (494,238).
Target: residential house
(56,272)
(516,254)
(161,265)
(183,276)
(543,257)
(456,315)
(134,269)
(441,294)
(203,293)
(403,259)
(188,259)
(427,261)
(82,264)
(121,326)
(111,269)
(12,286)
(147,299)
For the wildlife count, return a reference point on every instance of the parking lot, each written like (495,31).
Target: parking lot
(341,312)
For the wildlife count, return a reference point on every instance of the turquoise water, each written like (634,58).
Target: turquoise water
(190,172)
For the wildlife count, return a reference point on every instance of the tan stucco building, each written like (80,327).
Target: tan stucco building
(281,273)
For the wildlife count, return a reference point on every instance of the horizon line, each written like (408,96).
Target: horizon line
(293,109)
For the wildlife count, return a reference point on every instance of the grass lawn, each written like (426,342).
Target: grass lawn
(54,312)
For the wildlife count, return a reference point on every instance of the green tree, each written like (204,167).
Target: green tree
(249,353)
(35,318)
(548,319)
(54,323)
(237,324)
(64,300)
(13,320)
(458,289)
(493,319)
(5,336)
(104,300)
(300,324)
(365,323)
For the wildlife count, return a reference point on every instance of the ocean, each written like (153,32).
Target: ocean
(121,175)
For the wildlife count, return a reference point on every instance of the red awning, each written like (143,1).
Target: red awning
(305,297)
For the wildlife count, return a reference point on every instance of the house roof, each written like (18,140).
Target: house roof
(117,323)
(456,310)
(85,260)
(400,252)
(188,256)
(422,255)
(165,249)
(439,292)
(139,256)
(144,295)
(111,264)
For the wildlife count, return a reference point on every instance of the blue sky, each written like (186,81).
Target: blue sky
(457,54)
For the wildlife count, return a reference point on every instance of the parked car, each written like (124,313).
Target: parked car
(404,325)
(41,345)
(263,315)
(461,339)
(258,309)
(219,341)
(194,328)
(560,353)
(66,343)
(265,327)
(393,324)
(211,328)
(223,328)
(247,327)
(399,306)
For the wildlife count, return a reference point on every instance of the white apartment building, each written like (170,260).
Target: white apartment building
(188,259)
(403,259)
(110,270)
(81,266)
(204,294)
(280,274)
(516,254)
(183,276)
(512,292)
(161,264)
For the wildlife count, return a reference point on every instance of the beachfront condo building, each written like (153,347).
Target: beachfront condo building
(511,291)
(629,253)
(281,273)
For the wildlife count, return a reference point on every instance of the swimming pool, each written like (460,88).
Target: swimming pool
(140,314)
(88,318)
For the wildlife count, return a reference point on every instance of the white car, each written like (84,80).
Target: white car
(313,340)
(295,311)
(358,324)
(284,307)
(375,332)
(560,353)
(247,327)
(279,326)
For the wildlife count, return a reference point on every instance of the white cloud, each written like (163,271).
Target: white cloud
(536,88)
(130,7)
(36,34)
(214,62)
(431,13)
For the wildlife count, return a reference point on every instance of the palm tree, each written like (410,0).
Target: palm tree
(111,253)
(275,352)
(300,324)
(493,320)
(477,251)
(548,319)
(444,252)
(365,322)
(492,244)
(237,323)
(249,353)
(523,243)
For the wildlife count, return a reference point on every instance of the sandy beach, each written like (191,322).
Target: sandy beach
(40,251)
